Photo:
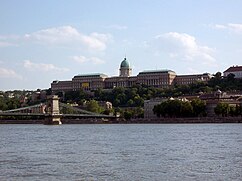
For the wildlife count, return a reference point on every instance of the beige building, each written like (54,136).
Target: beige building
(65,86)
(155,78)
(190,79)
(88,82)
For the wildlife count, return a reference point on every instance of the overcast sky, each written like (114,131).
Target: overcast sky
(46,40)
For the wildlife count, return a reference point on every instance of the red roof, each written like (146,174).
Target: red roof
(234,69)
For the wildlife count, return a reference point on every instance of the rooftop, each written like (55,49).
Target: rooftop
(124,63)
(234,69)
(156,71)
(91,75)
(194,75)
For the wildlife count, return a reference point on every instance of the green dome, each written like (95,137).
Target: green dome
(124,63)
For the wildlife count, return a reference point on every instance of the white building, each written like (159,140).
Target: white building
(236,70)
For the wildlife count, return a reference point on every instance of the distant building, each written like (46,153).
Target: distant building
(149,106)
(155,78)
(212,99)
(58,86)
(190,79)
(236,70)
(88,81)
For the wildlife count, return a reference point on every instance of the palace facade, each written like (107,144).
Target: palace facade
(155,78)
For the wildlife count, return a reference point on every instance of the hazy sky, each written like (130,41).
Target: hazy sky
(46,40)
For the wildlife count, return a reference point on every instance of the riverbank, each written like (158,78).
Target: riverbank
(135,121)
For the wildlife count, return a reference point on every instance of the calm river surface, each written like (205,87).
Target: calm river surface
(121,152)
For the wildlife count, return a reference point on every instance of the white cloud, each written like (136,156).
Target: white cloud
(96,60)
(96,41)
(230,26)
(8,73)
(54,35)
(43,67)
(184,46)
(220,26)
(83,59)
(67,35)
(236,27)
(79,59)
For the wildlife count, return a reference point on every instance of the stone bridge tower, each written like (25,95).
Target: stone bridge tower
(52,111)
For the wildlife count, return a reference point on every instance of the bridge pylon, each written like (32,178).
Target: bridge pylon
(53,115)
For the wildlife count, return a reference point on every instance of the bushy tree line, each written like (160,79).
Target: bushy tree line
(229,83)
(178,108)
(9,103)
(224,109)
(119,96)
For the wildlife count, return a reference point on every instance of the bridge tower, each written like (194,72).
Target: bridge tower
(52,111)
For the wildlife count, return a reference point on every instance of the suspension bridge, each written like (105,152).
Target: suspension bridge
(50,112)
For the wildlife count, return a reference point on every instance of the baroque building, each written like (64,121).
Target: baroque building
(155,78)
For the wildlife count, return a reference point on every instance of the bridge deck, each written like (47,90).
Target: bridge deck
(61,115)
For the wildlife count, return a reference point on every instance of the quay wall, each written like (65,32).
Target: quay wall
(135,121)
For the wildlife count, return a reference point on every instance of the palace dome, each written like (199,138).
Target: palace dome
(124,63)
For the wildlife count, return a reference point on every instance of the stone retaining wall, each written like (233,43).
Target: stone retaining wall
(135,121)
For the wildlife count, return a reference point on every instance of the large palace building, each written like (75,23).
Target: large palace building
(155,78)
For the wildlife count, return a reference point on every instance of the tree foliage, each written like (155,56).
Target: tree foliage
(93,106)
(224,109)
(178,108)
(9,103)
(199,107)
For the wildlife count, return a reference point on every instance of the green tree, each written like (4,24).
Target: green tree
(186,109)
(231,78)
(157,110)
(138,101)
(93,106)
(233,111)
(199,107)
(222,109)
(3,105)
(13,103)
(138,112)
(174,108)
(218,75)
(130,103)
(128,114)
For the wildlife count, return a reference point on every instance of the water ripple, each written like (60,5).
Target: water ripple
(121,152)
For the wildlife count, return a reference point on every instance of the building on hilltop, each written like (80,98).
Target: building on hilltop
(59,86)
(236,70)
(88,81)
(190,79)
(155,78)
(125,69)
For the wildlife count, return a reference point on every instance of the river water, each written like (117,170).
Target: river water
(121,152)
